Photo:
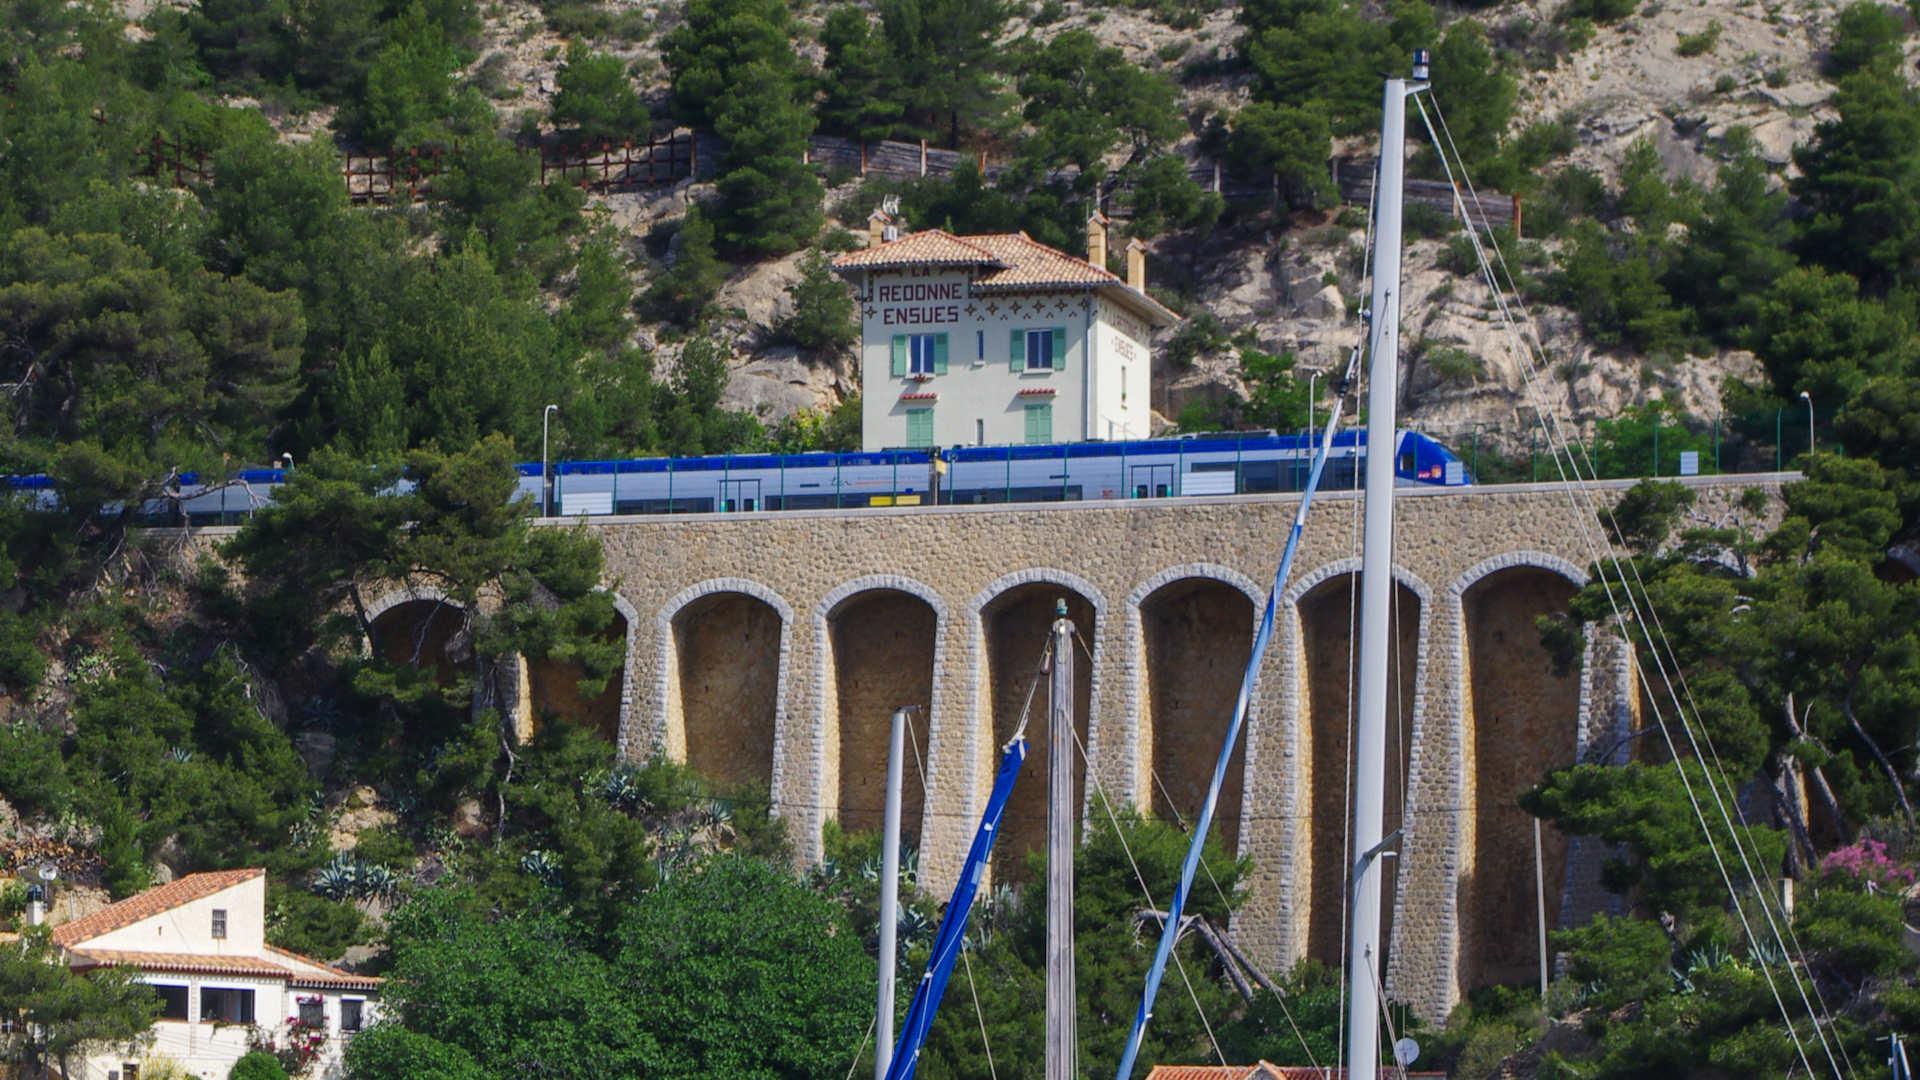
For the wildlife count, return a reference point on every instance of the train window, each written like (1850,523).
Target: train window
(1406,463)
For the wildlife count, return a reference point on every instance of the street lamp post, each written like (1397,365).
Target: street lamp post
(546,479)
(1808,398)
(1312,378)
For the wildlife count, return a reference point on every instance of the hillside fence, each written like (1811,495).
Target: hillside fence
(678,156)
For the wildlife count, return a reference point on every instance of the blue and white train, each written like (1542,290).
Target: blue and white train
(1217,464)
(1226,464)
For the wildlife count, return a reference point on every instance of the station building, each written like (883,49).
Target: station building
(998,339)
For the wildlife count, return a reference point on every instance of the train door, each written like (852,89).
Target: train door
(739,495)
(1152,481)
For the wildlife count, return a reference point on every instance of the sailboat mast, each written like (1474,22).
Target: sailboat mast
(1366,968)
(1062,1061)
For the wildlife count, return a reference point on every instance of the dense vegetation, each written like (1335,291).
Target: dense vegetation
(547,908)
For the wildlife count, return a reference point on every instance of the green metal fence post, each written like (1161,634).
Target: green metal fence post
(1533,453)
(1656,442)
(1063,472)
(1239,450)
(669,485)
(1006,493)
(1716,443)
(1778,461)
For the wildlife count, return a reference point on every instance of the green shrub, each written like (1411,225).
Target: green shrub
(595,99)
(1701,43)
(1454,365)
(257,1065)
(823,316)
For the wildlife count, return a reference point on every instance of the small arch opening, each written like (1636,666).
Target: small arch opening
(1016,624)
(725,687)
(882,652)
(1329,624)
(1197,635)
(1525,722)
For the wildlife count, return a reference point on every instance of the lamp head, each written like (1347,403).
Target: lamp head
(1804,396)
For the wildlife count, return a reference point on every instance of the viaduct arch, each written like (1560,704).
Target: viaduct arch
(800,694)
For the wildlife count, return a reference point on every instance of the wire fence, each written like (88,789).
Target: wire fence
(1648,443)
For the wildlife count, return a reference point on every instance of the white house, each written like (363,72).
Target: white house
(200,942)
(997,338)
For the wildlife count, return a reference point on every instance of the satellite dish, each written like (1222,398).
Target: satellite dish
(49,872)
(1406,1052)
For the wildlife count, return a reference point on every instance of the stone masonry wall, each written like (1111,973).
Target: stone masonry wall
(701,593)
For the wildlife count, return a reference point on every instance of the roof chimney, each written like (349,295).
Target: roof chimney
(879,225)
(36,905)
(1097,239)
(1137,264)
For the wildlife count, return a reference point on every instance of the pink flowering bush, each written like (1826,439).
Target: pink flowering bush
(1866,862)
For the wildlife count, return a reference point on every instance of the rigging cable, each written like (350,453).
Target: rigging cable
(1261,638)
(1648,618)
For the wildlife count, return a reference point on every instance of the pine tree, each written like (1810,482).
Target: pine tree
(861,81)
(708,54)
(594,98)
(769,198)
(695,275)
(949,57)
(369,393)
(1860,177)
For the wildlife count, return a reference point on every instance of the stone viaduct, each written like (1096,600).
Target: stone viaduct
(770,650)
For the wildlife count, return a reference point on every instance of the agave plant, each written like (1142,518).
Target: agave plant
(180,754)
(620,788)
(339,879)
(541,864)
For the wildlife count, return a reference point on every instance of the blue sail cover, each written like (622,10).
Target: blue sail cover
(953,926)
(1171,929)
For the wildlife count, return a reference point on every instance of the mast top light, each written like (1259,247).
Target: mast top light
(1422,65)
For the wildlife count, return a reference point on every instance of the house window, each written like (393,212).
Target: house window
(919,427)
(980,344)
(919,354)
(219,924)
(1040,423)
(313,1012)
(173,1001)
(1043,349)
(130,1071)
(350,1014)
(226,1005)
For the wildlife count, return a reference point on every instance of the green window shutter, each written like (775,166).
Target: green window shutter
(899,356)
(919,427)
(1017,350)
(1059,348)
(939,354)
(1039,423)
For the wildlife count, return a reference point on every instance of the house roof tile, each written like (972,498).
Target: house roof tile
(190,962)
(176,893)
(929,247)
(326,974)
(1014,261)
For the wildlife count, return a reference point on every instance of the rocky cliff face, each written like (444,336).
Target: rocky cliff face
(1296,285)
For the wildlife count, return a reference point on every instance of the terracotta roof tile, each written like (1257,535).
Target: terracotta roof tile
(1031,264)
(929,247)
(191,962)
(1016,262)
(328,975)
(150,903)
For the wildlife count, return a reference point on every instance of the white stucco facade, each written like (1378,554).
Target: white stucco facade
(996,340)
(200,942)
